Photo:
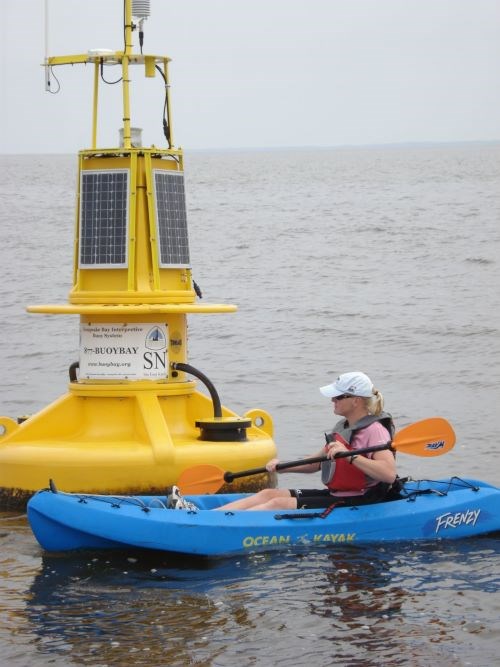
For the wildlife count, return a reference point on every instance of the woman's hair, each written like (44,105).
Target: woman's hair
(375,403)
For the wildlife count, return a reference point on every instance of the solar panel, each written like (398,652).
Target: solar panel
(171,221)
(104,200)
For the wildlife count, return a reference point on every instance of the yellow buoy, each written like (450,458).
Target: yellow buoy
(132,420)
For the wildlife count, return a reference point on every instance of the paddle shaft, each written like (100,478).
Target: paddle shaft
(428,437)
(230,476)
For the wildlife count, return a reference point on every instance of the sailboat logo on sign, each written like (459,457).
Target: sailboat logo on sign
(155,339)
(438,444)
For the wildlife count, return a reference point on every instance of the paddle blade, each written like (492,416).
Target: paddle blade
(429,437)
(204,478)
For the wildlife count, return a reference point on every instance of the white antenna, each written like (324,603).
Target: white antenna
(47,68)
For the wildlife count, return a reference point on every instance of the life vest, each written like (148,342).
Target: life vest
(340,475)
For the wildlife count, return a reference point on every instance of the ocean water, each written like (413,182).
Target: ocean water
(384,260)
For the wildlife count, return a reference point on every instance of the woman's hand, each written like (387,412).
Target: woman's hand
(271,465)
(334,448)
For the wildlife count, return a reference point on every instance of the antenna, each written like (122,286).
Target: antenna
(47,67)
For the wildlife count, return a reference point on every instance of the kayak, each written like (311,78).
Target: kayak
(450,508)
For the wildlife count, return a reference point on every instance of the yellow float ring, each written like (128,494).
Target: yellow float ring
(7,426)
(261,420)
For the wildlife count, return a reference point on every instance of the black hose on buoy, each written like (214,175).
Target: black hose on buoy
(72,371)
(179,366)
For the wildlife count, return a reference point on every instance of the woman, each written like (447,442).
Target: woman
(355,480)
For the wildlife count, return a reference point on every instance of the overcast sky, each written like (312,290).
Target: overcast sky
(260,73)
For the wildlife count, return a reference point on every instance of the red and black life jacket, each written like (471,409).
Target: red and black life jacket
(340,475)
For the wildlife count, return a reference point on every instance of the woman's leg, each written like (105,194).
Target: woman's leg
(278,503)
(257,499)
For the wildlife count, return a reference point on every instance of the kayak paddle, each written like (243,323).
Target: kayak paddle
(429,437)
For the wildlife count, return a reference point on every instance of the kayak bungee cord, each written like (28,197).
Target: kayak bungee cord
(114,501)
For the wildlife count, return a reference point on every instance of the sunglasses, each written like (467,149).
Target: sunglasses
(341,397)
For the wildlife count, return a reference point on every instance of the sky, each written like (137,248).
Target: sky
(259,73)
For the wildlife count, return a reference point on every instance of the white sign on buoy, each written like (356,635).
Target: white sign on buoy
(136,351)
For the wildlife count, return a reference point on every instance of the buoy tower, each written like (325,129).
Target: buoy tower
(133,419)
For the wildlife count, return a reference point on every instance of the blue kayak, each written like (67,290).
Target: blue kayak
(428,510)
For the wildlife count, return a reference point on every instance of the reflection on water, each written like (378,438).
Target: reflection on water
(144,608)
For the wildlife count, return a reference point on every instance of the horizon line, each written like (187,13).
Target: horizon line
(394,144)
